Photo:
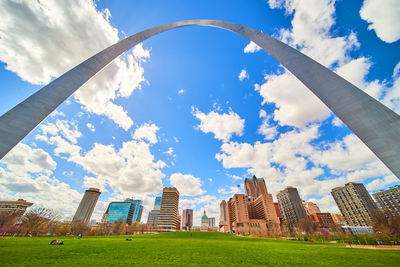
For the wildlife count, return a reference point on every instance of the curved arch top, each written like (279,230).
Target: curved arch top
(375,124)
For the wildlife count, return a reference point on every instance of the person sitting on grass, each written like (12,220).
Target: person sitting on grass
(53,242)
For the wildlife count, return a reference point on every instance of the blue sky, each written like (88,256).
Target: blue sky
(198,108)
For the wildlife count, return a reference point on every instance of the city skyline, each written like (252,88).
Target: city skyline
(67,145)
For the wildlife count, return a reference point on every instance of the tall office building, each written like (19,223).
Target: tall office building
(255,186)
(187,219)
(86,207)
(120,211)
(265,209)
(223,213)
(157,203)
(152,219)
(211,222)
(389,200)
(16,208)
(311,208)
(278,211)
(168,218)
(137,214)
(291,207)
(355,203)
(338,219)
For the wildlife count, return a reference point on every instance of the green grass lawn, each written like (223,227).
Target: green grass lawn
(184,248)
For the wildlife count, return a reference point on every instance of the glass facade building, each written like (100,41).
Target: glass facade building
(120,211)
(137,214)
(157,203)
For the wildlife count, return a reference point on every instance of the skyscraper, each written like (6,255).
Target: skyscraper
(137,214)
(168,218)
(120,211)
(265,209)
(187,219)
(86,207)
(389,200)
(255,186)
(211,222)
(157,203)
(355,203)
(291,206)
(223,213)
(152,219)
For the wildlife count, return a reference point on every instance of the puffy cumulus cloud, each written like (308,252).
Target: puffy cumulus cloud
(223,126)
(289,96)
(383,16)
(131,168)
(243,75)
(187,184)
(392,97)
(180,92)
(251,48)
(147,132)
(35,33)
(310,33)
(24,159)
(28,174)
(266,129)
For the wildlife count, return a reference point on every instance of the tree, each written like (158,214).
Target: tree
(63,228)
(386,223)
(39,221)
(308,226)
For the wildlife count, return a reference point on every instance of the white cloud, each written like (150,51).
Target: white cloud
(35,33)
(233,190)
(337,122)
(170,152)
(24,159)
(90,126)
(129,169)
(29,175)
(147,132)
(190,203)
(180,92)
(223,126)
(187,184)
(383,16)
(176,139)
(243,75)
(310,33)
(269,131)
(381,183)
(234,177)
(251,48)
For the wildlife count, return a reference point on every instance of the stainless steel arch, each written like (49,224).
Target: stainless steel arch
(375,124)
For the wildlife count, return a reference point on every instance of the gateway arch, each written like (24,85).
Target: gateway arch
(375,124)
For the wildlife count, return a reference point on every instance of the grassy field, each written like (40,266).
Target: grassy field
(182,249)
